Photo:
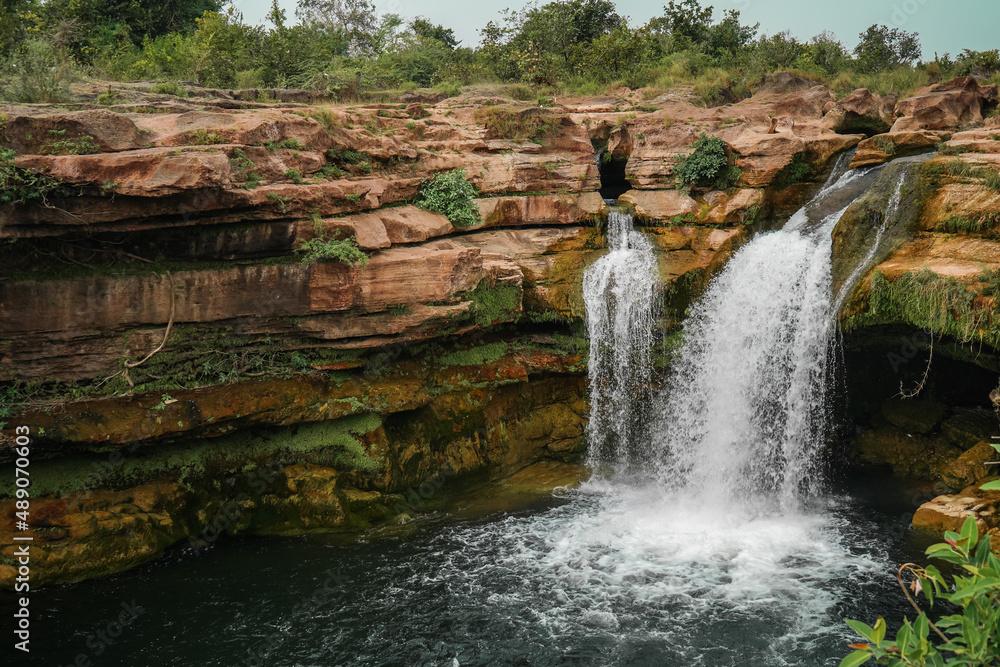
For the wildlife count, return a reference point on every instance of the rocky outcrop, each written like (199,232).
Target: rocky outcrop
(862,112)
(955,105)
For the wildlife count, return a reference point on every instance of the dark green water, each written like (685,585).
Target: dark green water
(604,576)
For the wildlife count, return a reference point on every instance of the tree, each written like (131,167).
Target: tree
(827,53)
(686,20)
(351,16)
(12,23)
(421,27)
(883,48)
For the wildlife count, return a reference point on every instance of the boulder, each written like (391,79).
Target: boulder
(806,104)
(71,133)
(968,427)
(971,467)
(914,416)
(909,455)
(780,83)
(949,512)
(955,105)
(880,148)
(660,204)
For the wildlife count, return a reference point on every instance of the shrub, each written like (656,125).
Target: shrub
(37,75)
(707,166)
(169,88)
(968,637)
(885,145)
(18,186)
(332,249)
(517,125)
(795,171)
(451,195)
(945,149)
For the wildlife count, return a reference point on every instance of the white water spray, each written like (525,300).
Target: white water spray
(620,295)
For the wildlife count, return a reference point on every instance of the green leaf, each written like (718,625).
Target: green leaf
(970,532)
(991,486)
(921,626)
(878,632)
(855,659)
(862,629)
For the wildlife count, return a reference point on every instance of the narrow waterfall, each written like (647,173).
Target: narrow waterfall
(891,211)
(620,296)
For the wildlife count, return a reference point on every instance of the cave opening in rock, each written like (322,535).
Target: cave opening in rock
(920,437)
(613,182)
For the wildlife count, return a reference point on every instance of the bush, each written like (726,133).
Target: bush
(169,88)
(451,195)
(37,75)
(508,123)
(969,637)
(332,249)
(19,186)
(707,166)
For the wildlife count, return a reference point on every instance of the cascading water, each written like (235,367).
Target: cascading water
(620,295)
(745,408)
(719,556)
(891,211)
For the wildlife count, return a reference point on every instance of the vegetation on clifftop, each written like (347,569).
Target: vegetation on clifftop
(350,50)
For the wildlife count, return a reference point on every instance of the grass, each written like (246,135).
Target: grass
(169,88)
(964,225)
(931,302)
(504,122)
(332,249)
(205,138)
(885,145)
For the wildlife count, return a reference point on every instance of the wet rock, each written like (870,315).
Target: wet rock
(949,512)
(881,148)
(971,467)
(909,455)
(968,427)
(914,416)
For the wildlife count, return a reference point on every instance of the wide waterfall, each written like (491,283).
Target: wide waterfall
(744,409)
(620,294)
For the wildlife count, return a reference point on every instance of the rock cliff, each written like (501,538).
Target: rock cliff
(186,372)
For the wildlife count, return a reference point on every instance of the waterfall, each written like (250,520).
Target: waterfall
(742,416)
(744,407)
(888,218)
(620,295)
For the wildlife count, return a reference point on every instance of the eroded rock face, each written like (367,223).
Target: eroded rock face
(955,105)
(862,112)
(192,341)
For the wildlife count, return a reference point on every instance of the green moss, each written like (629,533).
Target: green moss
(796,171)
(475,356)
(930,302)
(492,305)
(192,463)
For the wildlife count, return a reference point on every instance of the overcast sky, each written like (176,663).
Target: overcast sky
(944,25)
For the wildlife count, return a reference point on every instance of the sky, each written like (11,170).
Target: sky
(945,26)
